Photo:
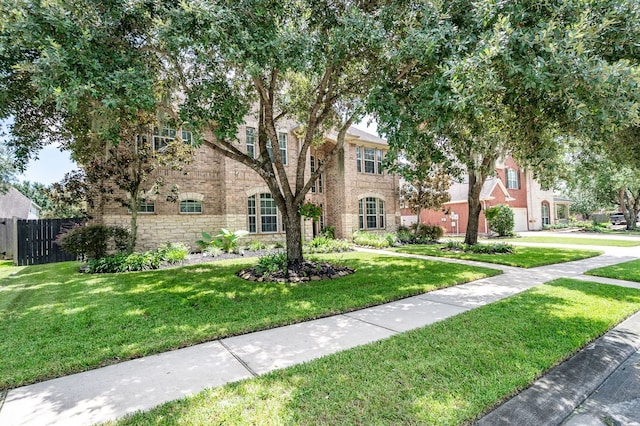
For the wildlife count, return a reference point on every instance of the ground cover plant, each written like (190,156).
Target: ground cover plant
(448,373)
(629,271)
(575,240)
(370,239)
(524,257)
(55,321)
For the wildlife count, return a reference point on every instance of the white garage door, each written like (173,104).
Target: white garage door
(520,220)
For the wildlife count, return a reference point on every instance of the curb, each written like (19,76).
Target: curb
(552,398)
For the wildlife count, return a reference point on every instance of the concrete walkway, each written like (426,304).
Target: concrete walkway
(114,391)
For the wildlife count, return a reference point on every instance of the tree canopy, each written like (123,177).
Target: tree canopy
(497,78)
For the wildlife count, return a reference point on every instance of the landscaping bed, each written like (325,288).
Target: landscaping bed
(524,257)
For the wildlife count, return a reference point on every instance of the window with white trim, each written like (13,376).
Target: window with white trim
(318,184)
(147,206)
(163,135)
(371,213)
(369,160)
(251,141)
(262,213)
(282,140)
(191,206)
(513,179)
(546,220)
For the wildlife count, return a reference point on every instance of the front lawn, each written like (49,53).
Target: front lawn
(55,321)
(447,373)
(524,257)
(629,271)
(574,241)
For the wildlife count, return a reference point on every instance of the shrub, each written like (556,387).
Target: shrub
(500,219)
(225,239)
(328,231)
(494,248)
(212,251)
(123,262)
(426,232)
(363,238)
(322,244)
(256,245)
(93,241)
(272,263)
(491,248)
(391,239)
(174,252)
(405,236)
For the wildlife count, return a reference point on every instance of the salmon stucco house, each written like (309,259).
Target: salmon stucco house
(218,192)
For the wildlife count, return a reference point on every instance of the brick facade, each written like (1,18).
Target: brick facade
(523,194)
(224,187)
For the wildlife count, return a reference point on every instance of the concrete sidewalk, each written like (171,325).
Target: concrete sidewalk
(114,391)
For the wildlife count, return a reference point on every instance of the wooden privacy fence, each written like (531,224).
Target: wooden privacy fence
(34,241)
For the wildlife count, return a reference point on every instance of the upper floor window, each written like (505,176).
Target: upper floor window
(371,213)
(513,179)
(282,140)
(369,160)
(191,206)
(251,142)
(163,135)
(318,185)
(262,213)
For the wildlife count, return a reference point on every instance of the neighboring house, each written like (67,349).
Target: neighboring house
(532,206)
(14,204)
(218,192)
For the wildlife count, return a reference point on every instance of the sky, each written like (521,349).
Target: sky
(53,164)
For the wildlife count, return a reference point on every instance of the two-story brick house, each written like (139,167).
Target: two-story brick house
(217,192)
(533,207)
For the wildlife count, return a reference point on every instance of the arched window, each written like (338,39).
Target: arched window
(545,213)
(191,206)
(371,213)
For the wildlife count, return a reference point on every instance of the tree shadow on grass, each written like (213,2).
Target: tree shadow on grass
(70,322)
(449,372)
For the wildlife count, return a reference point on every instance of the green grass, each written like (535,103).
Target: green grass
(574,240)
(447,373)
(629,271)
(55,321)
(524,257)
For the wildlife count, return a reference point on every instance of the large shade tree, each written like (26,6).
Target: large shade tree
(309,62)
(83,73)
(497,78)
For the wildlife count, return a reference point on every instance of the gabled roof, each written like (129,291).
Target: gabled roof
(355,133)
(13,203)
(460,190)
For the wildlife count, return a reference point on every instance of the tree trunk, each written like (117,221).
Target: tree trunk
(293,222)
(134,228)
(473,198)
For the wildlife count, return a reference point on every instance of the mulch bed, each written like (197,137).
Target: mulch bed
(309,271)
